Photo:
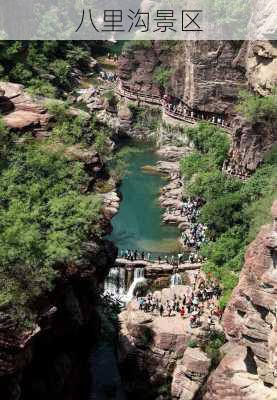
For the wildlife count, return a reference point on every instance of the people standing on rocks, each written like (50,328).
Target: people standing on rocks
(161,310)
(182,312)
(197,306)
(135,255)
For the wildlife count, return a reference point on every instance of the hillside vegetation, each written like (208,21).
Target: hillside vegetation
(234,210)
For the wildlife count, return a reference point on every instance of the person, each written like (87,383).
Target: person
(142,255)
(189,305)
(194,321)
(184,300)
(159,259)
(169,310)
(148,256)
(141,303)
(182,311)
(218,313)
(161,310)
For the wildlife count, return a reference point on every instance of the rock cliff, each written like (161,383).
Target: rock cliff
(48,359)
(208,76)
(249,368)
(198,71)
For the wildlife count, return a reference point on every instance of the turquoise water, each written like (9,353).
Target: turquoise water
(138,224)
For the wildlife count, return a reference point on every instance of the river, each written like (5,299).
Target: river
(138,224)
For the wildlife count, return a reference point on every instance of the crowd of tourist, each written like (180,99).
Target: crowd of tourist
(134,255)
(176,106)
(190,208)
(234,170)
(194,235)
(108,76)
(202,300)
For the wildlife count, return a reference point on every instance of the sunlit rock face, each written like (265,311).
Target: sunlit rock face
(20,111)
(199,71)
(208,76)
(250,142)
(261,65)
(249,369)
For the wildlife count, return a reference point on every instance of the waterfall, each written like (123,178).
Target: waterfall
(176,279)
(139,273)
(138,280)
(115,282)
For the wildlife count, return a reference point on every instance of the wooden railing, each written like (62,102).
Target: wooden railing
(156,100)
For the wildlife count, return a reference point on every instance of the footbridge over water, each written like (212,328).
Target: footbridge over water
(154,269)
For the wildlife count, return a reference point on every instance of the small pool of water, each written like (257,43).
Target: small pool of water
(138,224)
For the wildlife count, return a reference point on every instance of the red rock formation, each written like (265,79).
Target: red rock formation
(21,111)
(200,71)
(249,369)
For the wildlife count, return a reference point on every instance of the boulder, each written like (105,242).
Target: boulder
(190,374)
(21,111)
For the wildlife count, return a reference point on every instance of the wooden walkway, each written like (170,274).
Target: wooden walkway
(157,101)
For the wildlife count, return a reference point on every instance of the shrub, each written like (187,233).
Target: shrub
(212,348)
(192,343)
(60,69)
(38,87)
(20,73)
(57,108)
(147,117)
(112,99)
(161,76)
(209,139)
(257,108)
(137,45)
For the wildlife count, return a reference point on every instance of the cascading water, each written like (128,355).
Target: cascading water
(115,283)
(139,279)
(139,273)
(176,280)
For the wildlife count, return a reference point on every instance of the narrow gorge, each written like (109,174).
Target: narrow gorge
(138,220)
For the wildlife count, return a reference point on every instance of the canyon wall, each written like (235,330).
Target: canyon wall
(249,368)
(208,76)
